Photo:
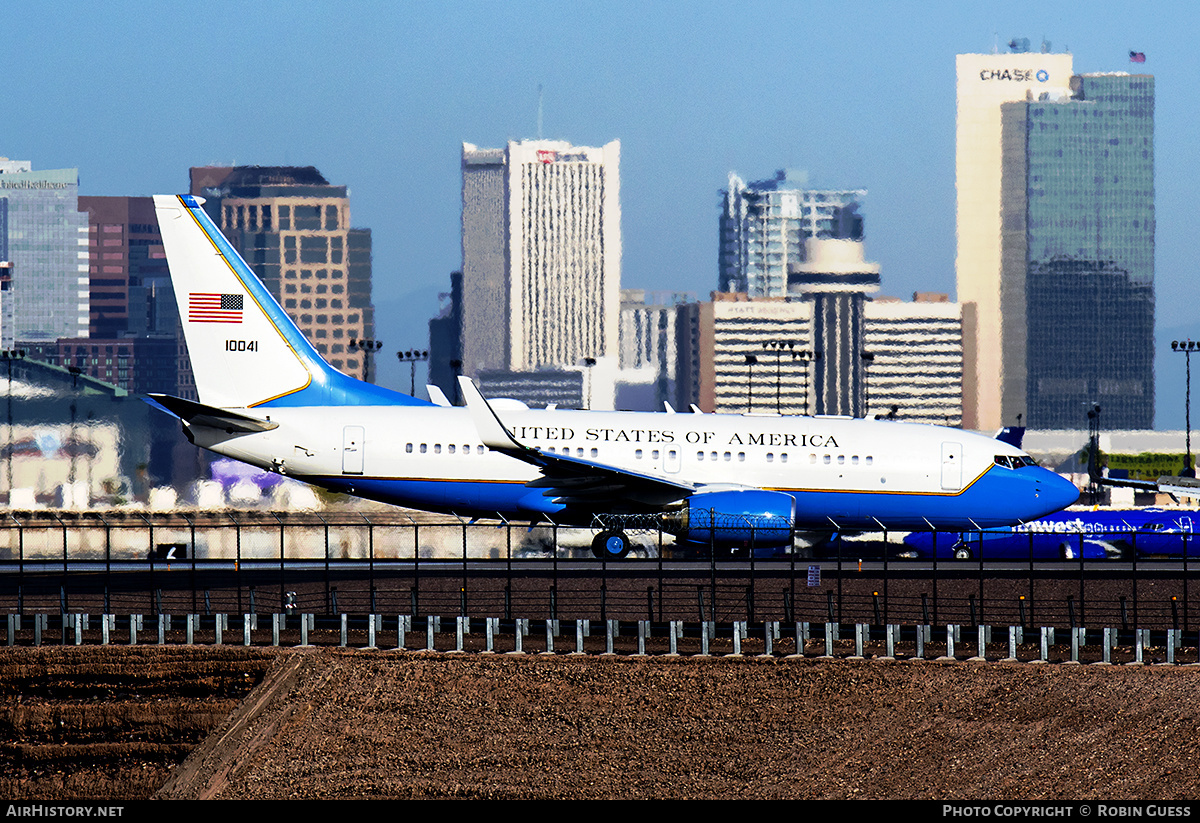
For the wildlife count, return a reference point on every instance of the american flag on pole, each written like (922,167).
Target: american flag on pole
(214,308)
(1137,57)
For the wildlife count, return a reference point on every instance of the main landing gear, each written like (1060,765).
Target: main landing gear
(610,544)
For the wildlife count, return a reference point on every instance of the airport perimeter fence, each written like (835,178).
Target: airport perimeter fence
(238,563)
(461,634)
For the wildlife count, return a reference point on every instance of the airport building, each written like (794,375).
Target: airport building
(541,243)
(45,295)
(1055,241)
(293,229)
(764,226)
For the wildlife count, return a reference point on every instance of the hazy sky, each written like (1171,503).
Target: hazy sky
(380,96)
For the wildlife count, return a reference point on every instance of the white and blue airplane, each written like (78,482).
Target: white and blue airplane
(731,480)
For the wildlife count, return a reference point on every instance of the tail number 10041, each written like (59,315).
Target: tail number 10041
(241,345)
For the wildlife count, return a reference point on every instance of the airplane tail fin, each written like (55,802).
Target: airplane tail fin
(245,350)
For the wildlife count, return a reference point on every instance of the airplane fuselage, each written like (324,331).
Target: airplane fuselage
(844,473)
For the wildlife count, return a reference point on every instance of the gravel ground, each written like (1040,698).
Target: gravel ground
(324,723)
(352,724)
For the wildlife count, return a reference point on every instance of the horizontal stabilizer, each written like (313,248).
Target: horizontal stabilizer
(197,414)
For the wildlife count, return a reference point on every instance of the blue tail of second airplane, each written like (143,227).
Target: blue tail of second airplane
(245,351)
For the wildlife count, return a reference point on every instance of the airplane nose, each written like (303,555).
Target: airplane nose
(1056,491)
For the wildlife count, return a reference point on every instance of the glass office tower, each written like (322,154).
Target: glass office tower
(1078,254)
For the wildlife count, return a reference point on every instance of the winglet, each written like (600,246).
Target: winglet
(491,431)
(437,396)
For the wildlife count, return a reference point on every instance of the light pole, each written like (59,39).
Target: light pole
(806,358)
(867,359)
(750,361)
(588,363)
(1094,469)
(778,346)
(367,347)
(413,357)
(9,355)
(1187,347)
(456,370)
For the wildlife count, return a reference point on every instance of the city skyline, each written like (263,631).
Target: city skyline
(867,102)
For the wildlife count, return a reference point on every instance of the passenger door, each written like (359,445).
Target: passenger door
(951,466)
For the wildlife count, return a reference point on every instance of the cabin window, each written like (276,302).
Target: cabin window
(423,448)
(854,460)
(638,454)
(714,456)
(841,459)
(741,457)
(869,460)
(783,457)
(827,460)
(770,457)
(408,448)
(595,452)
(700,456)
(437,448)
(654,454)
(450,448)
(812,458)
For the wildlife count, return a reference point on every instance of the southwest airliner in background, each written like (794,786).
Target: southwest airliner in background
(1074,535)
(268,398)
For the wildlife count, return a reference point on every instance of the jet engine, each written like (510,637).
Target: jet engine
(743,517)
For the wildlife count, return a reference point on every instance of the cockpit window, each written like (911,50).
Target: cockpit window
(1014,462)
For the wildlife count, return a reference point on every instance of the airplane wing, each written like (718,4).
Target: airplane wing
(575,481)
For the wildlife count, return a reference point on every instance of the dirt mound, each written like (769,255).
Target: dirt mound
(326,723)
(111,722)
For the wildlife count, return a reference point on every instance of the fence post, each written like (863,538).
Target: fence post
(951,633)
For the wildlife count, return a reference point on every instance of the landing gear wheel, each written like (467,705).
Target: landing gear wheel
(962,553)
(610,545)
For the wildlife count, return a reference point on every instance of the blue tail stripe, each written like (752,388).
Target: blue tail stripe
(328,386)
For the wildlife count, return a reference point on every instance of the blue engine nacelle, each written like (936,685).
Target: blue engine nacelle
(744,517)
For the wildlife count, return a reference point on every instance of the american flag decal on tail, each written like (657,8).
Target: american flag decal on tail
(214,308)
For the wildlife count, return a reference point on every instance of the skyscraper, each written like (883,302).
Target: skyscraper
(1078,254)
(764,224)
(985,82)
(541,239)
(47,240)
(293,228)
